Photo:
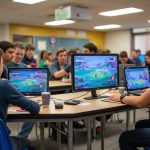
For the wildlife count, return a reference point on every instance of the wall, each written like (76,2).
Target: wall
(96,37)
(117,41)
(4,32)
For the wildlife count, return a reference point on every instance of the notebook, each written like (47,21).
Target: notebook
(136,79)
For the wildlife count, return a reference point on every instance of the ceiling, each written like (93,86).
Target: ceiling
(39,13)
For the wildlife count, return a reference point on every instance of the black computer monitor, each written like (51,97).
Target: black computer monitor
(136,78)
(121,73)
(94,71)
(29,81)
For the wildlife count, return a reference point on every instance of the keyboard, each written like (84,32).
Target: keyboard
(72,102)
(137,93)
(108,100)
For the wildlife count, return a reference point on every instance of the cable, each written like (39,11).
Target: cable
(105,92)
(78,96)
(71,98)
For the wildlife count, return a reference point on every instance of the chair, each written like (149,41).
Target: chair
(5,142)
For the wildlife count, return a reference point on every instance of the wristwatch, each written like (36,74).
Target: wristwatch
(122,97)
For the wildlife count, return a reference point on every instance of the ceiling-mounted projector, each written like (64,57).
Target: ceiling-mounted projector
(73,13)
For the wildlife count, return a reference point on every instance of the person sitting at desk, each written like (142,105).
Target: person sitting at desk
(8,51)
(28,57)
(140,137)
(90,48)
(17,57)
(12,96)
(60,67)
(135,58)
(148,60)
(124,59)
(16,63)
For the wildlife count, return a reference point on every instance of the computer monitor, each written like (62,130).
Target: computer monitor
(121,73)
(94,71)
(136,78)
(29,81)
(142,58)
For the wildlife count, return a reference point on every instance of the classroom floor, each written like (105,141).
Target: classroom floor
(112,131)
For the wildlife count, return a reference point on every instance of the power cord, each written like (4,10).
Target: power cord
(69,99)
(105,92)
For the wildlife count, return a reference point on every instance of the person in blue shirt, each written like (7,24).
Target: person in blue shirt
(60,67)
(16,63)
(12,96)
(17,57)
(135,58)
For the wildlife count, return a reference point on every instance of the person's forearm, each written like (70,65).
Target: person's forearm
(60,74)
(133,101)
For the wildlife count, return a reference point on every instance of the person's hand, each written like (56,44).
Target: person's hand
(144,90)
(115,97)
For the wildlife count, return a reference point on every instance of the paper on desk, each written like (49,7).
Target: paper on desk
(26,112)
(84,104)
(13,110)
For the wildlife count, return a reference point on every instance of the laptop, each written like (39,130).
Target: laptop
(121,73)
(29,81)
(136,79)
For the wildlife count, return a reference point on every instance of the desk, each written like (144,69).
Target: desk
(86,110)
(57,84)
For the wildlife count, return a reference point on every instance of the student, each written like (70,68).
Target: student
(135,58)
(60,67)
(124,59)
(140,137)
(12,96)
(18,56)
(43,59)
(28,57)
(77,50)
(16,63)
(8,51)
(50,58)
(89,48)
(148,60)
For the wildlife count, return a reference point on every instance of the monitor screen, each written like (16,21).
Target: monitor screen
(137,78)
(94,71)
(121,73)
(29,81)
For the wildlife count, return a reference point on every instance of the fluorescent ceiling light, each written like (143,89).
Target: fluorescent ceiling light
(148,21)
(123,11)
(105,27)
(59,22)
(28,1)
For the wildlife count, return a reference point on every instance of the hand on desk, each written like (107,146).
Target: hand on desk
(115,97)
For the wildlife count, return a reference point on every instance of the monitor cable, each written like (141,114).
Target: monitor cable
(105,92)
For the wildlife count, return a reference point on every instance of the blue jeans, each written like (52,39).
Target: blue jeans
(140,137)
(19,143)
(26,129)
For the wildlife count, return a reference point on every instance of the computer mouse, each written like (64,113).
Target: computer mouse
(59,105)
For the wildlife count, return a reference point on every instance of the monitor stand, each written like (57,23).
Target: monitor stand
(94,96)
